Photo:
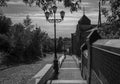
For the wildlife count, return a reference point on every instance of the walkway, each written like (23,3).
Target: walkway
(69,73)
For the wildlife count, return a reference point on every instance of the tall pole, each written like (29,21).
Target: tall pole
(47,14)
(56,68)
(99,17)
(55,35)
(83,10)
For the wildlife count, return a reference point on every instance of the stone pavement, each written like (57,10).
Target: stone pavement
(69,73)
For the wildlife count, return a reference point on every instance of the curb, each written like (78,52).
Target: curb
(45,74)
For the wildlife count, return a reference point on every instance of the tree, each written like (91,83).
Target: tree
(60,44)
(48,45)
(5,24)
(27,22)
(4,43)
(67,3)
(1,12)
(35,48)
(3,2)
(112,13)
(46,5)
(17,40)
(16,32)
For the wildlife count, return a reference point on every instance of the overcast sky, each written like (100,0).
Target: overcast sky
(17,10)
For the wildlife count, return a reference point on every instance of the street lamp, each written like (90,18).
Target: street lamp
(54,20)
(62,13)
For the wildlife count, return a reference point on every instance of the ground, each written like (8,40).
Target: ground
(20,74)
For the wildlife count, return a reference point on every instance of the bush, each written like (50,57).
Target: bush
(21,45)
(5,45)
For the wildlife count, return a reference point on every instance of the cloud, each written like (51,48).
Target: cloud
(86,3)
(17,10)
(16,3)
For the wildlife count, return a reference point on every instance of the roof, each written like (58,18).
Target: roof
(109,42)
(84,20)
(108,45)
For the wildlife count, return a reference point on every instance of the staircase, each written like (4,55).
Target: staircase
(69,73)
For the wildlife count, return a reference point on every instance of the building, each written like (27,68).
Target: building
(82,31)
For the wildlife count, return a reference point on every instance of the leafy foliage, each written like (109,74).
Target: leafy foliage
(112,12)
(27,22)
(3,2)
(21,44)
(60,44)
(46,5)
(4,43)
(5,24)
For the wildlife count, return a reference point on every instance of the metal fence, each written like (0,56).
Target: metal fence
(101,59)
(106,64)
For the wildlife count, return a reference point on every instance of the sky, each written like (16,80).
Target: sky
(17,11)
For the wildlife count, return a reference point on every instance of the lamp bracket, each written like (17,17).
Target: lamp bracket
(56,20)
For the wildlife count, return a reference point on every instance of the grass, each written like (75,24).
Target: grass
(22,73)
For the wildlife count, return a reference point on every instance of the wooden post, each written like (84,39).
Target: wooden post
(89,61)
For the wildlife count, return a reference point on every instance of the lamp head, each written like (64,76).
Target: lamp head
(62,13)
(47,15)
(54,9)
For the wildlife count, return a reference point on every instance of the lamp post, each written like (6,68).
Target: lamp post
(62,14)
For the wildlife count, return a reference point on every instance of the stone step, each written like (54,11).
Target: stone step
(67,82)
(69,68)
(69,62)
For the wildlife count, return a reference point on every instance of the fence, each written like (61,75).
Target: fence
(106,62)
(84,61)
(102,60)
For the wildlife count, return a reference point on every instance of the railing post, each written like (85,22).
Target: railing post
(81,59)
(89,61)
(94,36)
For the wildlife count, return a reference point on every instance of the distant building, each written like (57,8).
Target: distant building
(67,45)
(73,41)
(82,31)
(84,20)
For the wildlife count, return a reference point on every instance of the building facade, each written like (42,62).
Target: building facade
(82,31)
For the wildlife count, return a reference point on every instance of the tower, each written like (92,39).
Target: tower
(84,20)
(83,10)
(99,16)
